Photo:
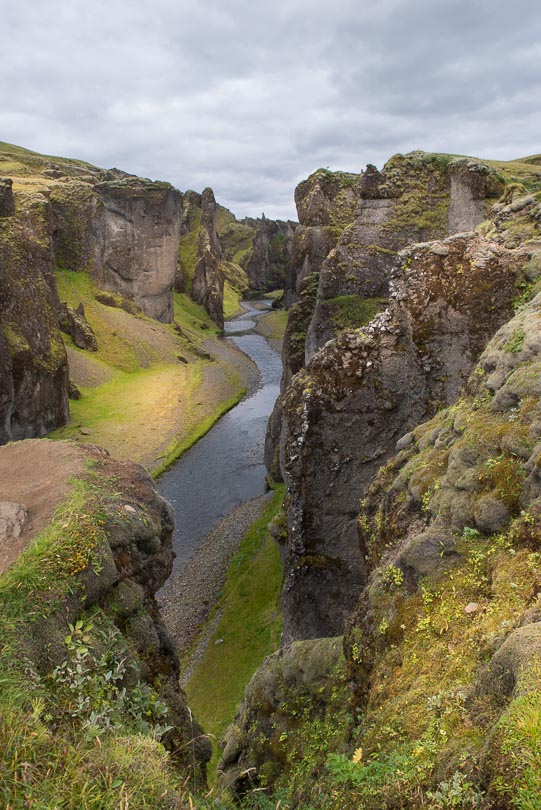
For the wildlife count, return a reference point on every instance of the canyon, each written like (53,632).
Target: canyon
(406,436)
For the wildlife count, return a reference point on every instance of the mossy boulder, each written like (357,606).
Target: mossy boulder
(292,689)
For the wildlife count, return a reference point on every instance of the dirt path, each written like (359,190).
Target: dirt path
(35,473)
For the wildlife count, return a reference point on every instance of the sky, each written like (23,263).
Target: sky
(250,97)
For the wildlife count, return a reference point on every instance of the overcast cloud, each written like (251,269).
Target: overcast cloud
(250,97)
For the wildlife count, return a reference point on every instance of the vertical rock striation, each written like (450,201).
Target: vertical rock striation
(208,279)
(368,381)
(271,253)
(125,232)
(34,368)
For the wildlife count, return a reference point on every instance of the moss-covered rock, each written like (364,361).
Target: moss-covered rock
(296,691)
(34,372)
(208,280)
(83,638)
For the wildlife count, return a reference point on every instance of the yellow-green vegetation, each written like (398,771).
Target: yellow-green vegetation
(347,311)
(44,572)
(273,324)
(425,715)
(249,628)
(187,250)
(236,237)
(232,298)
(71,736)
(139,400)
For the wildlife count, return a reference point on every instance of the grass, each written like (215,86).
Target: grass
(232,300)
(177,448)
(250,626)
(138,401)
(44,571)
(49,757)
(274,323)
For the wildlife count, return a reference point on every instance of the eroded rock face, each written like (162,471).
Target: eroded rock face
(361,393)
(33,362)
(125,231)
(7,203)
(325,203)
(208,280)
(462,490)
(119,586)
(271,253)
(137,231)
(296,681)
(415,198)
(74,323)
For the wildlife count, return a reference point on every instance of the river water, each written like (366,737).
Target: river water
(225,467)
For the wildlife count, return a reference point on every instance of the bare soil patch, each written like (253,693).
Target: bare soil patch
(35,473)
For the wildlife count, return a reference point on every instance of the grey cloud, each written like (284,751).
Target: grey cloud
(250,97)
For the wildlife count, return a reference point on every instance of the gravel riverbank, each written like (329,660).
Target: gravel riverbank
(188,598)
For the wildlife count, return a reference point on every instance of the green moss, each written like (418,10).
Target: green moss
(44,572)
(516,342)
(54,752)
(249,624)
(347,311)
(187,249)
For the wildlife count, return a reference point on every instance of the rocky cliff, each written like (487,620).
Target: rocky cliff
(82,635)
(33,362)
(334,434)
(208,280)
(271,252)
(121,230)
(419,537)
(254,253)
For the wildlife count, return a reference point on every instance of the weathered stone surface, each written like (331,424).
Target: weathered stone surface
(136,233)
(12,519)
(415,198)
(7,202)
(472,185)
(208,279)
(361,393)
(123,230)
(271,253)
(74,323)
(34,369)
(299,679)
(126,571)
(326,203)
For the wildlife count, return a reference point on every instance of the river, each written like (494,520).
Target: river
(225,467)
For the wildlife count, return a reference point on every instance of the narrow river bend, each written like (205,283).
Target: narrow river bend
(225,467)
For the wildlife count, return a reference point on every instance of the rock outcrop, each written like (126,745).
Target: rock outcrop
(337,421)
(125,231)
(208,279)
(7,202)
(34,368)
(301,680)
(115,573)
(271,253)
(74,323)
(411,458)
(415,198)
(346,411)
(122,230)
